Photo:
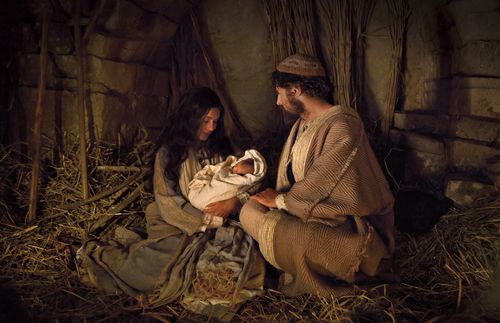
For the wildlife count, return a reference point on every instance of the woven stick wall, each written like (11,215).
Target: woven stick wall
(400,12)
(338,18)
(292,28)
(280,29)
(304,27)
(362,13)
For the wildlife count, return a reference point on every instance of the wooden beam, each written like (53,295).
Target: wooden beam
(106,193)
(93,21)
(81,104)
(35,166)
(104,222)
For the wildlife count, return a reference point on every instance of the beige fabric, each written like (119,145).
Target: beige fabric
(340,216)
(219,255)
(187,171)
(266,236)
(325,260)
(162,266)
(127,263)
(217,182)
(252,216)
(173,206)
(298,152)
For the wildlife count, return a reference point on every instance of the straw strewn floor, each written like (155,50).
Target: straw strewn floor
(442,273)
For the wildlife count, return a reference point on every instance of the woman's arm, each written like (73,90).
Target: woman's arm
(200,192)
(174,209)
(224,208)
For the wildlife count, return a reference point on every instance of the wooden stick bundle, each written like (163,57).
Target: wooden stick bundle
(362,13)
(128,181)
(338,16)
(304,27)
(280,29)
(105,222)
(400,11)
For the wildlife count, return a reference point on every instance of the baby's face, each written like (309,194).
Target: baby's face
(242,169)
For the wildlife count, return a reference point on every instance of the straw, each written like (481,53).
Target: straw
(441,273)
(400,12)
(215,284)
(338,18)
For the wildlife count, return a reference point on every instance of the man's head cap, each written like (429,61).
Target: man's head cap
(301,65)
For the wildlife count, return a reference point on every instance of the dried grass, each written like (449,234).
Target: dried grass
(218,284)
(292,28)
(400,12)
(338,30)
(441,272)
(35,261)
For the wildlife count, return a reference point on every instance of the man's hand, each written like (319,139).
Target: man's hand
(267,197)
(223,208)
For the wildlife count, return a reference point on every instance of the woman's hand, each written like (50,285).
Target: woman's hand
(223,208)
(267,197)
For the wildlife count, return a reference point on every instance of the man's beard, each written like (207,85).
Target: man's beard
(295,106)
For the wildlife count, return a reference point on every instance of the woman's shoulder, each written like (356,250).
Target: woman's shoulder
(162,155)
(162,150)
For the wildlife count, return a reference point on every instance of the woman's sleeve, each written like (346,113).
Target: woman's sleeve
(173,207)
(199,192)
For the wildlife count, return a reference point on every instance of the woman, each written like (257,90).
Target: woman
(195,137)
(177,237)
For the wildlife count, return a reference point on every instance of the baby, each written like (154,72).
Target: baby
(227,179)
(243,167)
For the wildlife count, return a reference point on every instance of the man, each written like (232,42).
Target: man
(330,220)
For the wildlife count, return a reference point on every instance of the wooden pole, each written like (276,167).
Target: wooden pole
(80,103)
(38,121)
(93,20)
(106,193)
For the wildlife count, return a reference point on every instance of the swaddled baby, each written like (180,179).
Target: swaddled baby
(232,177)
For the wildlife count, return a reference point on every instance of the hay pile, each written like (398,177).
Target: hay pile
(442,272)
(215,284)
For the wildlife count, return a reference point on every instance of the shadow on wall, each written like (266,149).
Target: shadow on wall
(442,90)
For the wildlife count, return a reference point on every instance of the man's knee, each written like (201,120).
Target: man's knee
(251,215)
(245,214)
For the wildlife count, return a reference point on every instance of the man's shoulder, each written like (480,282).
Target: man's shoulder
(339,112)
(341,116)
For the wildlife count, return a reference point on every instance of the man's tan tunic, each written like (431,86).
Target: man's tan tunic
(337,220)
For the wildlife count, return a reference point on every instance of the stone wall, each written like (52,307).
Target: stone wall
(125,69)
(449,124)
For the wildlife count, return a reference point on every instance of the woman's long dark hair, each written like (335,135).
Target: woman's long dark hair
(181,132)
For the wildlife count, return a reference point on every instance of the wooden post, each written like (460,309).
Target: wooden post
(37,138)
(80,103)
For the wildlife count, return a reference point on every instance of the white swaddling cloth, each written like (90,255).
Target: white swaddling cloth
(217,182)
